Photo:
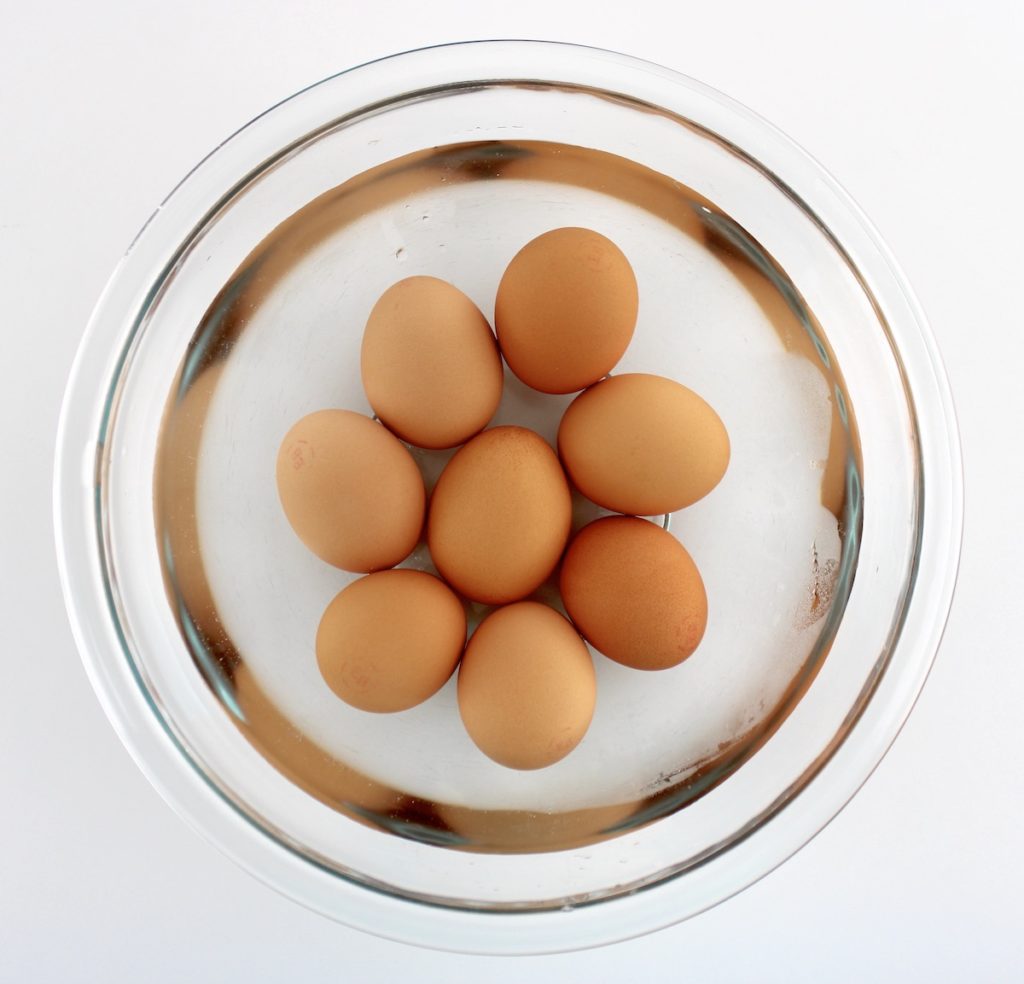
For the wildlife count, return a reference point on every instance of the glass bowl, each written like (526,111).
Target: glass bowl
(829,551)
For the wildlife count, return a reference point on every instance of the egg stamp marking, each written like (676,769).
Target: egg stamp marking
(300,454)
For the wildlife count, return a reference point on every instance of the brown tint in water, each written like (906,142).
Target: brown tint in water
(319,773)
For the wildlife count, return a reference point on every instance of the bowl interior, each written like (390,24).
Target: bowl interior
(282,340)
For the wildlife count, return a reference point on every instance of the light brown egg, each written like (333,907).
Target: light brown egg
(566,309)
(634,593)
(643,445)
(499,515)
(526,686)
(430,364)
(390,640)
(350,490)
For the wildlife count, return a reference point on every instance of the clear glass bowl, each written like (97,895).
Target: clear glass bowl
(829,550)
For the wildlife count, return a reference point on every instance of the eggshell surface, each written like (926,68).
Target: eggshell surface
(390,640)
(634,593)
(499,516)
(566,309)
(526,686)
(430,364)
(643,445)
(350,490)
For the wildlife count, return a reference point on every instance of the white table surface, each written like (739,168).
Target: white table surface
(914,106)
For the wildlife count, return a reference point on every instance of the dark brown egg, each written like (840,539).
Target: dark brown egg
(566,309)
(634,593)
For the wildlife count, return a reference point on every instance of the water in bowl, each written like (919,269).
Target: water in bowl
(776,542)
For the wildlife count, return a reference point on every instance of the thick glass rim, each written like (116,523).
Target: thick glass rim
(87,407)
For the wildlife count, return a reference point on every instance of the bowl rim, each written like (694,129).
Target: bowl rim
(130,708)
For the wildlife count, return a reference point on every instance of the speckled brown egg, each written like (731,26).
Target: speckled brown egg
(566,309)
(350,490)
(634,593)
(526,686)
(499,515)
(430,364)
(643,444)
(390,640)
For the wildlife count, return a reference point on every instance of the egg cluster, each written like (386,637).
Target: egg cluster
(499,518)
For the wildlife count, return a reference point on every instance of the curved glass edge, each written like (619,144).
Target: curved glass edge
(80,570)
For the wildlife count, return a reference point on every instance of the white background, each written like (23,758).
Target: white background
(915,107)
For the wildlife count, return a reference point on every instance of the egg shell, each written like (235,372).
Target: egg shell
(390,640)
(499,515)
(430,363)
(634,593)
(643,444)
(566,309)
(350,490)
(526,686)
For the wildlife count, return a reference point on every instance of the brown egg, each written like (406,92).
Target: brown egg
(350,490)
(566,310)
(634,592)
(526,686)
(643,445)
(390,640)
(430,365)
(499,516)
